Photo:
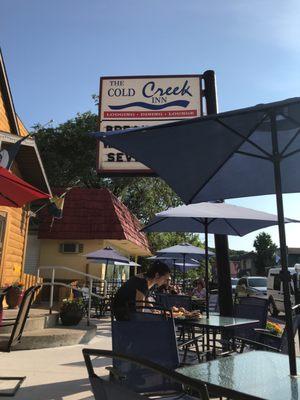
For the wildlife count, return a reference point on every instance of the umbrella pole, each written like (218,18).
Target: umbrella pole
(106,264)
(206,268)
(183,273)
(174,272)
(285,275)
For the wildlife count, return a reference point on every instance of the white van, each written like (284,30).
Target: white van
(275,289)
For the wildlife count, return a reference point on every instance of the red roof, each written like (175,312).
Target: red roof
(93,214)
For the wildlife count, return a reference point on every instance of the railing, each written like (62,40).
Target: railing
(90,278)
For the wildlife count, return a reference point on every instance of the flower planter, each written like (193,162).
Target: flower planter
(14,297)
(70,318)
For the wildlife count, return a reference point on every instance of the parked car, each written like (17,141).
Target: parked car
(251,286)
(275,288)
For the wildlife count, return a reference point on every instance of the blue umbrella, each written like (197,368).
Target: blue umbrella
(106,255)
(218,218)
(186,249)
(248,152)
(176,260)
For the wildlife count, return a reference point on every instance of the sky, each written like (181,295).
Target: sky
(55,52)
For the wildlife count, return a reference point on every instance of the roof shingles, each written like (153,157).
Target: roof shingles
(93,214)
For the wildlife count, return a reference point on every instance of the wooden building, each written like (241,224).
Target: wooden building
(28,166)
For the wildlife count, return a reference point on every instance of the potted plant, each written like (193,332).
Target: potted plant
(72,311)
(14,294)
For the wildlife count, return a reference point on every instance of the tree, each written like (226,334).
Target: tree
(265,252)
(69,156)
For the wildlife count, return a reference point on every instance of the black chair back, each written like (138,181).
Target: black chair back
(152,337)
(171,300)
(251,308)
(20,321)
(112,390)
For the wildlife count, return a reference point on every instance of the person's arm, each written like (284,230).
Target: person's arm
(140,298)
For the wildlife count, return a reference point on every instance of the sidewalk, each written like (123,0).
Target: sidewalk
(55,374)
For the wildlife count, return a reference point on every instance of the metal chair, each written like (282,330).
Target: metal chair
(16,334)
(171,300)
(19,322)
(270,342)
(252,308)
(111,390)
(152,339)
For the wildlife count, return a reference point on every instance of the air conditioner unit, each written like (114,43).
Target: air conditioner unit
(69,248)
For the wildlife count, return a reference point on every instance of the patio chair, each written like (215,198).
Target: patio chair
(19,322)
(104,389)
(252,308)
(268,341)
(152,337)
(171,300)
(16,334)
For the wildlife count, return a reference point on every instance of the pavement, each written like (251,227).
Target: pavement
(55,373)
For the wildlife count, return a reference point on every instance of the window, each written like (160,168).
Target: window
(257,282)
(277,282)
(71,248)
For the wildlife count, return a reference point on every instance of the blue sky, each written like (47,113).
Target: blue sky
(56,50)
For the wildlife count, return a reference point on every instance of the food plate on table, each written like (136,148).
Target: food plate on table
(182,313)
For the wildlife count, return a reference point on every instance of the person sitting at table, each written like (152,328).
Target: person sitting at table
(200,290)
(174,289)
(165,288)
(136,290)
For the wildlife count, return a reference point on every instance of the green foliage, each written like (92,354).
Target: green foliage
(68,153)
(69,156)
(235,254)
(265,252)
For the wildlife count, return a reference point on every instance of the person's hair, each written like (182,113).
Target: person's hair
(159,268)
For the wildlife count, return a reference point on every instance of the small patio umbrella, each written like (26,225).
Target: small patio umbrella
(108,254)
(221,218)
(184,249)
(177,261)
(248,152)
(14,192)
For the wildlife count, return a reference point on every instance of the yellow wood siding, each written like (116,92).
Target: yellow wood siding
(14,244)
(4,124)
(50,255)
(23,131)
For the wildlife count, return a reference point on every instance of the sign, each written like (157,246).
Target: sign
(131,102)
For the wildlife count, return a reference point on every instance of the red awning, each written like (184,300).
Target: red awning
(14,192)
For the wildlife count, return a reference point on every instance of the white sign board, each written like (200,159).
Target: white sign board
(127,102)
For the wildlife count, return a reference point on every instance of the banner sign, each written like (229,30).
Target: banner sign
(131,102)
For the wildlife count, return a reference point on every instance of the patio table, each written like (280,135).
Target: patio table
(256,375)
(216,324)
